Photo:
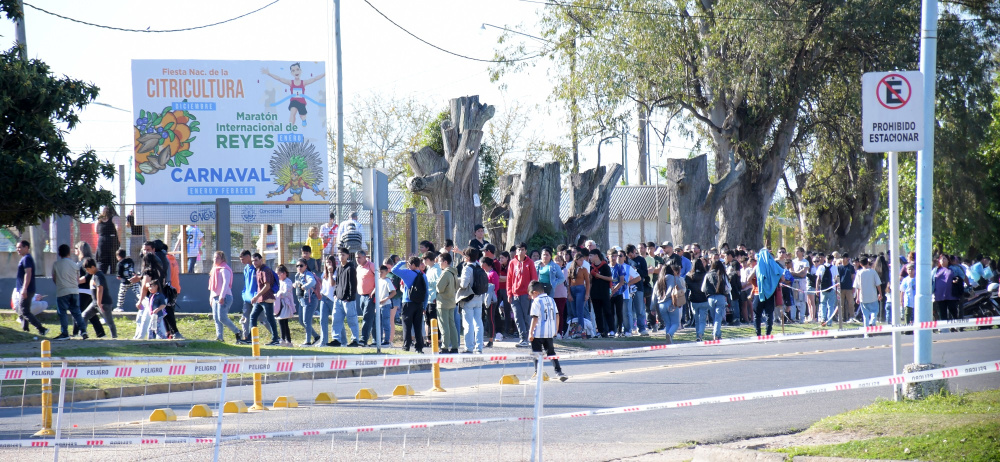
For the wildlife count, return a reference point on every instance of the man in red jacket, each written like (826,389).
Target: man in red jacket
(520,272)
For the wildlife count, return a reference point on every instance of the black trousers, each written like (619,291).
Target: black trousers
(539,344)
(413,320)
(616,324)
(603,315)
(27,317)
(764,308)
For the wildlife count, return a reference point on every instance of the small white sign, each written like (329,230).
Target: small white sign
(892,111)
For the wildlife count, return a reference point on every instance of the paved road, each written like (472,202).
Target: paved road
(473,393)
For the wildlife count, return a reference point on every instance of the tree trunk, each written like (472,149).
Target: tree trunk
(590,198)
(745,208)
(449,180)
(694,201)
(643,164)
(535,195)
(850,227)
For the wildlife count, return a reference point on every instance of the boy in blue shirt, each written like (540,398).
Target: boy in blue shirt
(414,297)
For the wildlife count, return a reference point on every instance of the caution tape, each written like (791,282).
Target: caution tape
(889,380)
(285,364)
(808,291)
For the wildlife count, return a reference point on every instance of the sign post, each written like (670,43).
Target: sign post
(892,115)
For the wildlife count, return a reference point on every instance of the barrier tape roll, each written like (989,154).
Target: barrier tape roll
(285,364)
(989,367)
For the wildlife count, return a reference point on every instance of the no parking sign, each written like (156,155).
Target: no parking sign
(892,111)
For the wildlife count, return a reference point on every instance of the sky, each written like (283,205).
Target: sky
(378,57)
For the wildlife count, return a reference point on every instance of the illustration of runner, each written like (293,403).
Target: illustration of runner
(297,92)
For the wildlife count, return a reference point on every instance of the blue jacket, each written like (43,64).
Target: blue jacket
(768,274)
(407,276)
(249,282)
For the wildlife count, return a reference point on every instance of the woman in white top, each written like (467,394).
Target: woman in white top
(328,290)
(284,304)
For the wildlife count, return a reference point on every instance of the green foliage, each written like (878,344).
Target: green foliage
(488,175)
(546,237)
(430,136)
(40,176)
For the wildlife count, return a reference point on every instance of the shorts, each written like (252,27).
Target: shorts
(298,105)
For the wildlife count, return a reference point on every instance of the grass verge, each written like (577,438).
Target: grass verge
(962,427)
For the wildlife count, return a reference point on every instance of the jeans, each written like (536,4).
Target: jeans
(191,262)
(734,305)
(245,320)
(220,313)
(306,317)
(386,313)
(763,308)
(700,313)
(870,311)
(326,309)
(69,305)
(638,312)
(142,321)
(579,305)
(627,323)
(718,306)
(827,305)
(367,309)
(92,310)
(342,309)
(521,306)
(449,333)
(458,320)
(671,319)
(473,313)
(268,309)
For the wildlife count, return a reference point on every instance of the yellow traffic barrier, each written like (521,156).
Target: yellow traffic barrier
(200,410)
(285,401)
(235,407)
(325,398)
(366,393)
(163,415)
(258,394)
(509,380)
(435,347)
(46,395)
(403,390)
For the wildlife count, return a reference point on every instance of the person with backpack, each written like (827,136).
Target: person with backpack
(350,234)
(716,288)
(307,290)
(662,295)
(220,288)
(414,295)
(471,287)
(263,302)
(345,303)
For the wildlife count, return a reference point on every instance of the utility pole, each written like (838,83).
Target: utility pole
(35,233)
(925,182)
(22,41)
(340,112)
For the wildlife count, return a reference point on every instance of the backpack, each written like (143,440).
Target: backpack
(480,282)
(417,292)
(351,238)
(318,287)
(677,295)
(169,293)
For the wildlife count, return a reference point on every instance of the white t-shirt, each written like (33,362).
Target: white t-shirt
(384,288)
(328,289)
(797,266)
(867,282)
(544,307)
(194,238)
(327,232)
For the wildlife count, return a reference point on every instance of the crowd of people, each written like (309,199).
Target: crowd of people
(481,294)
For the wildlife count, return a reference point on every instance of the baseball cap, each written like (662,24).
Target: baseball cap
(667,244)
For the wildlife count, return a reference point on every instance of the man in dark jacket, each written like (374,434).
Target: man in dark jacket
(345,304)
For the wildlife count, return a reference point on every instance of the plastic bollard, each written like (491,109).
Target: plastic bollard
(435,347)
(258,394)
(46,395)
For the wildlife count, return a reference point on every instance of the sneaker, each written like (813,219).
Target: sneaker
(84,336)
(628,334)
(478,352)
(499,337)
(386,344)
(303,345)
(562,377)
(117,310)
(178,336)
(43,332)
(334,343)
(62,336)
(274,342)
(489,344)
(523,344)
(315,339)
(453,351)
(353,343)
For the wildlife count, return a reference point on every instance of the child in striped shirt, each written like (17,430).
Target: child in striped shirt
(544,323)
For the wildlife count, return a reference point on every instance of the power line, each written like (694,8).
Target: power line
(411,34)
(148,30)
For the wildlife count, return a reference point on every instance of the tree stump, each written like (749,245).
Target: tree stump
(535,195)
(450,180)
(590,196)
(694,201)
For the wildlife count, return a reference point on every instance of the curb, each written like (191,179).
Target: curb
(717,454)
(159,388)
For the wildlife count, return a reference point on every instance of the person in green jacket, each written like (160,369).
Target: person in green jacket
(447,288)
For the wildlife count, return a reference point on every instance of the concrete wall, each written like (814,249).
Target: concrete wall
(193,297)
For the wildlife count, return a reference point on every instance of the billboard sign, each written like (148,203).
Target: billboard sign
(245,130)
